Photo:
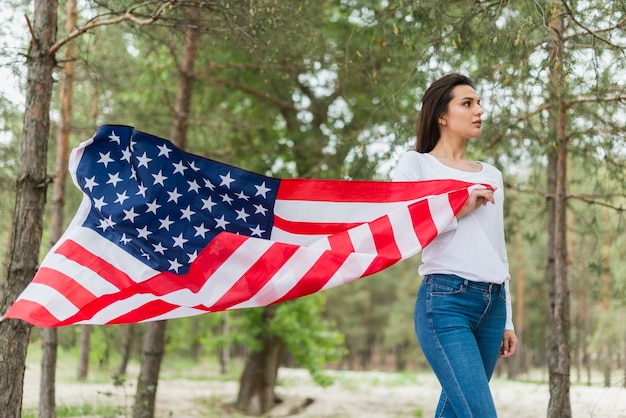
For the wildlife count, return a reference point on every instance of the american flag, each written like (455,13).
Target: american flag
(163,234)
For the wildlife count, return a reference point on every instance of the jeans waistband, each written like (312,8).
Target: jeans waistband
(482,286)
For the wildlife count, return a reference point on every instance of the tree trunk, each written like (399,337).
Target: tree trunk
(84,347)
(25,240)
(559,363)
(151,356)
(47,386)
(224,350)
(258,380)
(154,341)
(47,393)
(128,332)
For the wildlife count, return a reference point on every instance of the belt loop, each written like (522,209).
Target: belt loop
(465,283)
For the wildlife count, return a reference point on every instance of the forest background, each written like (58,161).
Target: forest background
(331,89)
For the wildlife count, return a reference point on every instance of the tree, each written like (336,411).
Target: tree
(47,401)
(31,188)
(29,205)
(154,339)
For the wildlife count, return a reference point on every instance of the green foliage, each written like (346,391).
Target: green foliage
(331,90)
(300,324)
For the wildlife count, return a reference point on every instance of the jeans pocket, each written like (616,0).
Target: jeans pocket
(445,288)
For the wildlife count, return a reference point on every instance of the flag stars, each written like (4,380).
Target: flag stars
(143,232)
(192,256)
(130,215)
(226,198)
(159,178)
(226,180)
(99,203)
(106,223)
(165,223)
(241,214)
(179,167)
(208,204)
(186,213)
(143,160)
(256,231)
(164,150)
(126,154)
(121,197)
(114,179)
(209,185)
(175,265)
(174,195)
(241,195)
(153,206)
(105,158)
(124,239)
(142,191)
(194,186)
(260,209)
(262,190)
(90,183)
(114,138)
(221,222)
(180,241)
(159,248)
(201,230)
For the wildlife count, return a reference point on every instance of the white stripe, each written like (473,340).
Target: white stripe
(352,269)
(285,278)
(119,308)
(362,239)
(280,235)
(230,271)
(440,211)
(404,234)
(85,277)
(50,298)
(182,312)
(334,212)
(112,254)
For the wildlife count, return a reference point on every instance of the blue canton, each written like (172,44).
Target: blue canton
(163,205)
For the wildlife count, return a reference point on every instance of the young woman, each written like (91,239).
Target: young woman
(463,315)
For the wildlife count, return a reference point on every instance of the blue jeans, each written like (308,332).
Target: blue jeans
(460,325)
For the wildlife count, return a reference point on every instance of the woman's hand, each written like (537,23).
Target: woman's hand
(477,198)
(509,344)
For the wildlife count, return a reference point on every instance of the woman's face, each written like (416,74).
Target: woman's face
(463,118)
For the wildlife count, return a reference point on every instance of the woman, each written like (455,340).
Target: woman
(463,315)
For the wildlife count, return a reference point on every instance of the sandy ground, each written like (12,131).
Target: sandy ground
(353,394)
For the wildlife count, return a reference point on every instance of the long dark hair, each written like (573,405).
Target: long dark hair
(434,105)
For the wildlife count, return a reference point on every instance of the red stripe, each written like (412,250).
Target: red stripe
(201,270)
(423,224)
(145,312)
(31,312)
(257,276)
(386,248)
(311,228)
(362,190)
(341,242)
(76,252)
(64,284)
(458,198)
(318,275)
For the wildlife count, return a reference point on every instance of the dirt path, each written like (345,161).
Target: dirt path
(353,394)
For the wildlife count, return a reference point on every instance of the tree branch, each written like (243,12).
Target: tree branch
(590,199)
(594,34)
(127,16)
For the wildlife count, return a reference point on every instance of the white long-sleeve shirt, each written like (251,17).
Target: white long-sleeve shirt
(474,248)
